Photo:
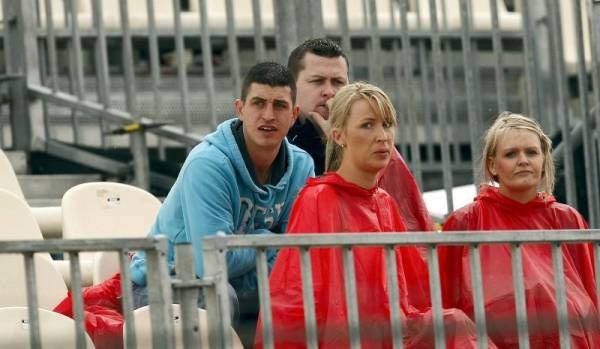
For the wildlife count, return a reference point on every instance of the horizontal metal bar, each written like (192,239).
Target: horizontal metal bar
(380,239)
(86,158)
(181,284)
(58,245)
(113,115)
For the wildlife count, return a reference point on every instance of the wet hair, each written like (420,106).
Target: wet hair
(269,73)
(343,101)
(322,47)
(509,121)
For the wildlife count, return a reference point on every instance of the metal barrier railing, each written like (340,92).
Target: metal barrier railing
(455,63)
(215,248)
(158,280)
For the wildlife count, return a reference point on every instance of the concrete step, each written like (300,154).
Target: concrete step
(18,160)
(47,190)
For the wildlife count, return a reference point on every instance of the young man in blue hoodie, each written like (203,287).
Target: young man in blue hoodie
(242,179)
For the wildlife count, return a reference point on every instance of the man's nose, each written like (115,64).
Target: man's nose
(269,113)
(328,90)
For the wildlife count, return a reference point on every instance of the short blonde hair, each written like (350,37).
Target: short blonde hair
(340,112)
(510,121)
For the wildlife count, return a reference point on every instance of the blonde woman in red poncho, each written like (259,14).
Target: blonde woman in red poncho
(516,194)
(347,199)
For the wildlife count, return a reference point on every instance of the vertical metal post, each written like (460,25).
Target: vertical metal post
(32,301)
(127,299)
(499,61)
(375,61)
(232,47)
(342,15)
(589,150)
(563,102)
(264,297)
(441,110)
(209,76)
(22,59)
(259,43)
(155,72)
(559,282)
(520,305)
(102,73)
(408,64)
(184,266)
(137,139)
(77,65)
(310,19)
(286,38)
(478,300)
(394,294)
(181,66)
(436,297)
(473,116)
(351,296)
(159,295)
(594,25)
(217,302)
(309,299)
(77,299)
(530,62)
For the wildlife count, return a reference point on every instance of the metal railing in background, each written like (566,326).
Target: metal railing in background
(450,67)
(215,248)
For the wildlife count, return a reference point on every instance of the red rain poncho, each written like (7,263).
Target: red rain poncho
(492,211)
(330,204)
(398,181)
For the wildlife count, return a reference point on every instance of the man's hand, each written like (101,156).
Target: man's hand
(321,122)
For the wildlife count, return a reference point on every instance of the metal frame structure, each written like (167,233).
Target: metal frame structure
(446,80)
(214,249)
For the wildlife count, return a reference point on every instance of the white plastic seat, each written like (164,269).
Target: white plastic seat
(51,288)
(8,178)
(143,329)
(99,210)
(56,331)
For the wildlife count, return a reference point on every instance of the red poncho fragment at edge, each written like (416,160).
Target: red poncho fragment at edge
(399,182)
(102,312)
(492,211)
(330,204)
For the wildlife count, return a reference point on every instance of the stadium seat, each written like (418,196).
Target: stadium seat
(56,331)
(51,288)
(17,222)
(8,178)
(143,329)
(99,210)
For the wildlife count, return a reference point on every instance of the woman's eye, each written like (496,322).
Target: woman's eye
(387,125)
(367,125)
(510,154)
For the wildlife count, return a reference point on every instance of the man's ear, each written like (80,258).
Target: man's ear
(239,105)
(295,113)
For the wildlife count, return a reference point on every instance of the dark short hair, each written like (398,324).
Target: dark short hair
(269,73)
(322,47)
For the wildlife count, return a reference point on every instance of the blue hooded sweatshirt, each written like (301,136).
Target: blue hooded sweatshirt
(215,192)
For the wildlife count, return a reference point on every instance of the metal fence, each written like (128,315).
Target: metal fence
(160,288)
(217,247)
(91,66)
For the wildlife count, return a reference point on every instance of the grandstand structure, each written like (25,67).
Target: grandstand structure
(124,88)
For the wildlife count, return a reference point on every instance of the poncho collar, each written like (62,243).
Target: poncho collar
(332,178)
(488,193)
